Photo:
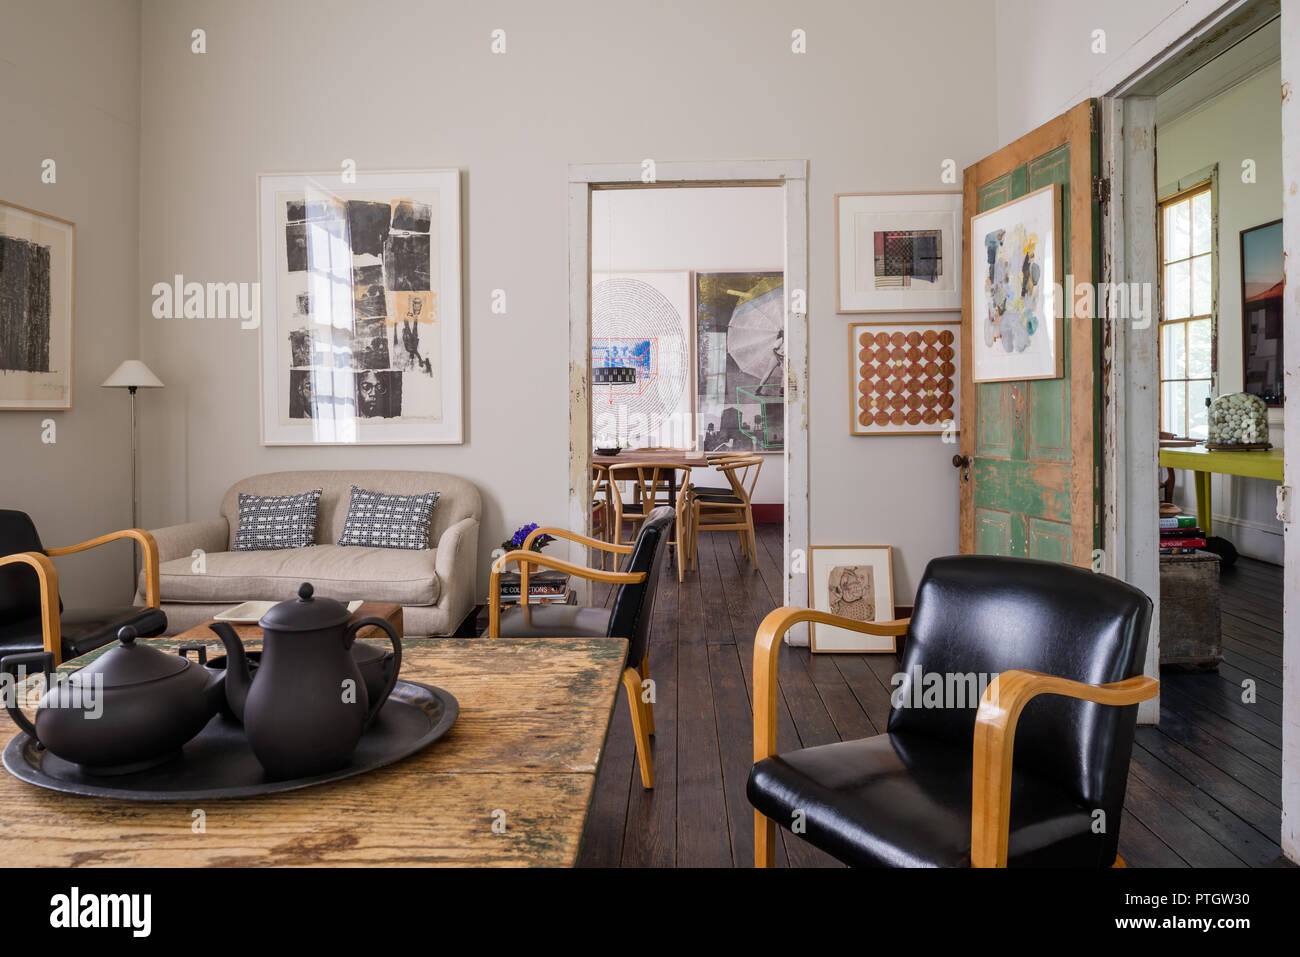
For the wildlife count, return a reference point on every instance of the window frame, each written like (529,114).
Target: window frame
(1184,189)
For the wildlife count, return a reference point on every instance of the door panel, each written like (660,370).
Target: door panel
(1033,486)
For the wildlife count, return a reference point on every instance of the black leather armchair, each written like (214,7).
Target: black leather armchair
(628,617)
(1062,651)
(32,618)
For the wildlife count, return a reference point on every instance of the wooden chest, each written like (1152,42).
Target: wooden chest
(1190,632)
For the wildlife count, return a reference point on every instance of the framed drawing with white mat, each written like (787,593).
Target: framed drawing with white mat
(852,581)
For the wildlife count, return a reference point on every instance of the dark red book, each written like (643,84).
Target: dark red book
(1182,543)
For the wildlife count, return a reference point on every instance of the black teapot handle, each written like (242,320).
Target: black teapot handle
(396,639)
(9,665)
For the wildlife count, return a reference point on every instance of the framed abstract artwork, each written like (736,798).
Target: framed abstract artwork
(904,378)
(898,252)
(1262,284)
(361,308)
(852,581)
(641,358)
(740,361)
(36,306)
(1015,288)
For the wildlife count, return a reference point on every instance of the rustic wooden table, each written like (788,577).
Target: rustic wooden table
(509,785)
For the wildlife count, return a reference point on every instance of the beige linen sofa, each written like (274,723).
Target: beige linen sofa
(435,587)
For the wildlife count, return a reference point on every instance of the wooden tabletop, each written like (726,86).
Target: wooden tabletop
(674,458)
(1264,463)
(523,753)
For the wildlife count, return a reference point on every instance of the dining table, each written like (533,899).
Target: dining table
(509,785)
(674,460)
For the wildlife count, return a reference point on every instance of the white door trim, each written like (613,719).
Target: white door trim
(792,175)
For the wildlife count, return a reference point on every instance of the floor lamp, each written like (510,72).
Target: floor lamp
(133,374)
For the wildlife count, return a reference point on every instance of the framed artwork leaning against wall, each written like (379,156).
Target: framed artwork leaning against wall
(852,581)
(361,308)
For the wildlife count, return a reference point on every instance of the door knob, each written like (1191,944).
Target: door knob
(962,462)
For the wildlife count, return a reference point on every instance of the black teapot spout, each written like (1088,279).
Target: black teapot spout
(238,677)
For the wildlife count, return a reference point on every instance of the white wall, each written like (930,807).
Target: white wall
(70,91)
(397,84)
(699,229)
(1045,58)
(1243,122)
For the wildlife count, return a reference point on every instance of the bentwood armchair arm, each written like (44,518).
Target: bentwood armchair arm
(147,545)
(995,731)
(525,558)
(767,648)
(585,540)
(48,577)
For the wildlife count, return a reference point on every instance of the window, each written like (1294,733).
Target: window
(1187,311)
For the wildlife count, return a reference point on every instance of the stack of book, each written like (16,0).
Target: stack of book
(544,588)
(1179,535)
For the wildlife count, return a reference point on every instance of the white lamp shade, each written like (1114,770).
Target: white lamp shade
(133,374)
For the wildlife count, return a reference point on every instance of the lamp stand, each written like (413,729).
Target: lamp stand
(135,521)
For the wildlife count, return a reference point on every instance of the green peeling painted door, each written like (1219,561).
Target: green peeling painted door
(1029,449)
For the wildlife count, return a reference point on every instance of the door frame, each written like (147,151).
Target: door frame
(1174,49)
(792,176)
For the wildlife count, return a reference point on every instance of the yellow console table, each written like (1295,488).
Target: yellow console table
(1203,462)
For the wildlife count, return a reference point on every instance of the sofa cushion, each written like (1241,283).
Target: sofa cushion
(377,520)
(337,571)
(276,521)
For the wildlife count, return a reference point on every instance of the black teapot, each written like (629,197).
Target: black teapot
(308,705)
(131,708)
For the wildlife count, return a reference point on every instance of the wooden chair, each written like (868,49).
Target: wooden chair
(32,618)
(727,509)
(629,615)
(646,478)
(602,505)
(935,789)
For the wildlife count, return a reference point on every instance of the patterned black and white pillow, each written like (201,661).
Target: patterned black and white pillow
(268,522)
(376,520)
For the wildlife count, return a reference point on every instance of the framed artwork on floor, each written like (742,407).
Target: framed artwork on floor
(898,252)
(904,378)
(852,581)
(361,308)
(36,306)
(1015,288)
(740,361)
(641,391)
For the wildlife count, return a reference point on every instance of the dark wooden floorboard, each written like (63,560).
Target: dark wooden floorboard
(1204,785)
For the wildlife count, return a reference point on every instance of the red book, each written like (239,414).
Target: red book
(1182,543)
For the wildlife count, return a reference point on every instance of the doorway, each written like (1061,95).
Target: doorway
(1159,367)
(682,412)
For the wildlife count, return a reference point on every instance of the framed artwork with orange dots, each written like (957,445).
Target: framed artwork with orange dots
(904,378)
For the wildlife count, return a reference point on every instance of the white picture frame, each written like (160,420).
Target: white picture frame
(1016,335)
(870,280)
(861,573)
(364,364)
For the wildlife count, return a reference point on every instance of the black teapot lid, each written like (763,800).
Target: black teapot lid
(130,663)
(306,613)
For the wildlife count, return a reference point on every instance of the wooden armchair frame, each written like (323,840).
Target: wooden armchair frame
(48,577)
(767,649)
(995,728)
(643,722)
(995,732)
